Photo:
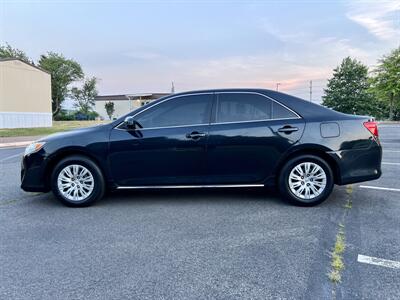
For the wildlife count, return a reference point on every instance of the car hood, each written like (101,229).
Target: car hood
(73,133)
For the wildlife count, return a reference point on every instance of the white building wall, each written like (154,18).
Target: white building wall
(25,95)
(25,119)
(121,108)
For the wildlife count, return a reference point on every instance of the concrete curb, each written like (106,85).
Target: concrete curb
(15,144)
(18,141)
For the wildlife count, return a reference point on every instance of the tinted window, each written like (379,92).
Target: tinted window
(280,112)
(185,110)
(236,107)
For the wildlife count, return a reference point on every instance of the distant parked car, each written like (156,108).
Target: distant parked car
(81,117)
(215,138)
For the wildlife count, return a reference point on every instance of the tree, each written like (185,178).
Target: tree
(109,106)
(348,90)
(386,83)
(63,72)
(84,96)
(9,52)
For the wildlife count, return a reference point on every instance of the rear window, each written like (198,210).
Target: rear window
(281,112)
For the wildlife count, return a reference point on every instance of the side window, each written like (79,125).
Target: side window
(180,111)
(237,107)
(280,112)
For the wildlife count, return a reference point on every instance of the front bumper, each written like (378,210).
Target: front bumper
(33,176)
(358,165)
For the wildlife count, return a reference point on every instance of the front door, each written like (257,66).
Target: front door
(168,145)
(248,135)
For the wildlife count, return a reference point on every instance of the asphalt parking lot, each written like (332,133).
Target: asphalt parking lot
(201,244)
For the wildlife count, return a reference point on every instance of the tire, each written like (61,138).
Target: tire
(77,181)
(293,187)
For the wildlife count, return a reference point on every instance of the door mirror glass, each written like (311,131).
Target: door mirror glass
(130,122)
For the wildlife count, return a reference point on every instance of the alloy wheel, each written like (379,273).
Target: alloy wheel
(307,180)
(75,182)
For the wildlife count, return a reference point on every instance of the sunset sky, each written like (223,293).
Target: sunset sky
(141,46)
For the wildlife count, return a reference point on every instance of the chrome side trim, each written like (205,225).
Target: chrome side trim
(176,126)
(219,123)
(187,186)
(250,121)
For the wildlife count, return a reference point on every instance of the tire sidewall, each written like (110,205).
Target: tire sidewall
(284,182)
(98,189)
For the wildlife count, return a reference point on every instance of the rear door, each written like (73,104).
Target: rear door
(248,134)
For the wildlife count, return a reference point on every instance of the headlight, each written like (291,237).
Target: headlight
(34,147)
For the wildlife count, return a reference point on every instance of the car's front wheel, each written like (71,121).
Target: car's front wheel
(77,181)
(306,180)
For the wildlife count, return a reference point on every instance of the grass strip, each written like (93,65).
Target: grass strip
(58,126)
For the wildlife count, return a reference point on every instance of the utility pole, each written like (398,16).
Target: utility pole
(310,90)
(172,88)
(277,86)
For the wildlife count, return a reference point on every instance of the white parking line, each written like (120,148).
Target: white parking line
(12,156)
(396,151)
(379,188)
(378,261)
(390,163)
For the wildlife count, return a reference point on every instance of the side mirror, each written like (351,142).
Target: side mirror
(130,122)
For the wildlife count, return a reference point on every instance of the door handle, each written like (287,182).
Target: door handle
(195,135)
(288,129)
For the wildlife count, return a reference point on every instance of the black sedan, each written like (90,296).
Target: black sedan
(214,138)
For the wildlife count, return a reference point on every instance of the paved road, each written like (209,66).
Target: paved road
(190,244)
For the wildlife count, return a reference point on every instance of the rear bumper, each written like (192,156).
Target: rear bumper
(358,165)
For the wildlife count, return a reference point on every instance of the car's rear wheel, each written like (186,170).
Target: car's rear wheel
(77,181)
(306,180)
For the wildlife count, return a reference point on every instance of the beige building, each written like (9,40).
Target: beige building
(123,104)
(25,95)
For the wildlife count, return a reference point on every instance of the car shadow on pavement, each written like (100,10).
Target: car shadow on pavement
(212,196)
(226,195)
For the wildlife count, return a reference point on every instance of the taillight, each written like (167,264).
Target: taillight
(372,127)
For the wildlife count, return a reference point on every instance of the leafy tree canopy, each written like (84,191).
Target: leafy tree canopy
(386,82)
(9,52)
(348,90)
(109,106)
(63,72)
(84,96)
